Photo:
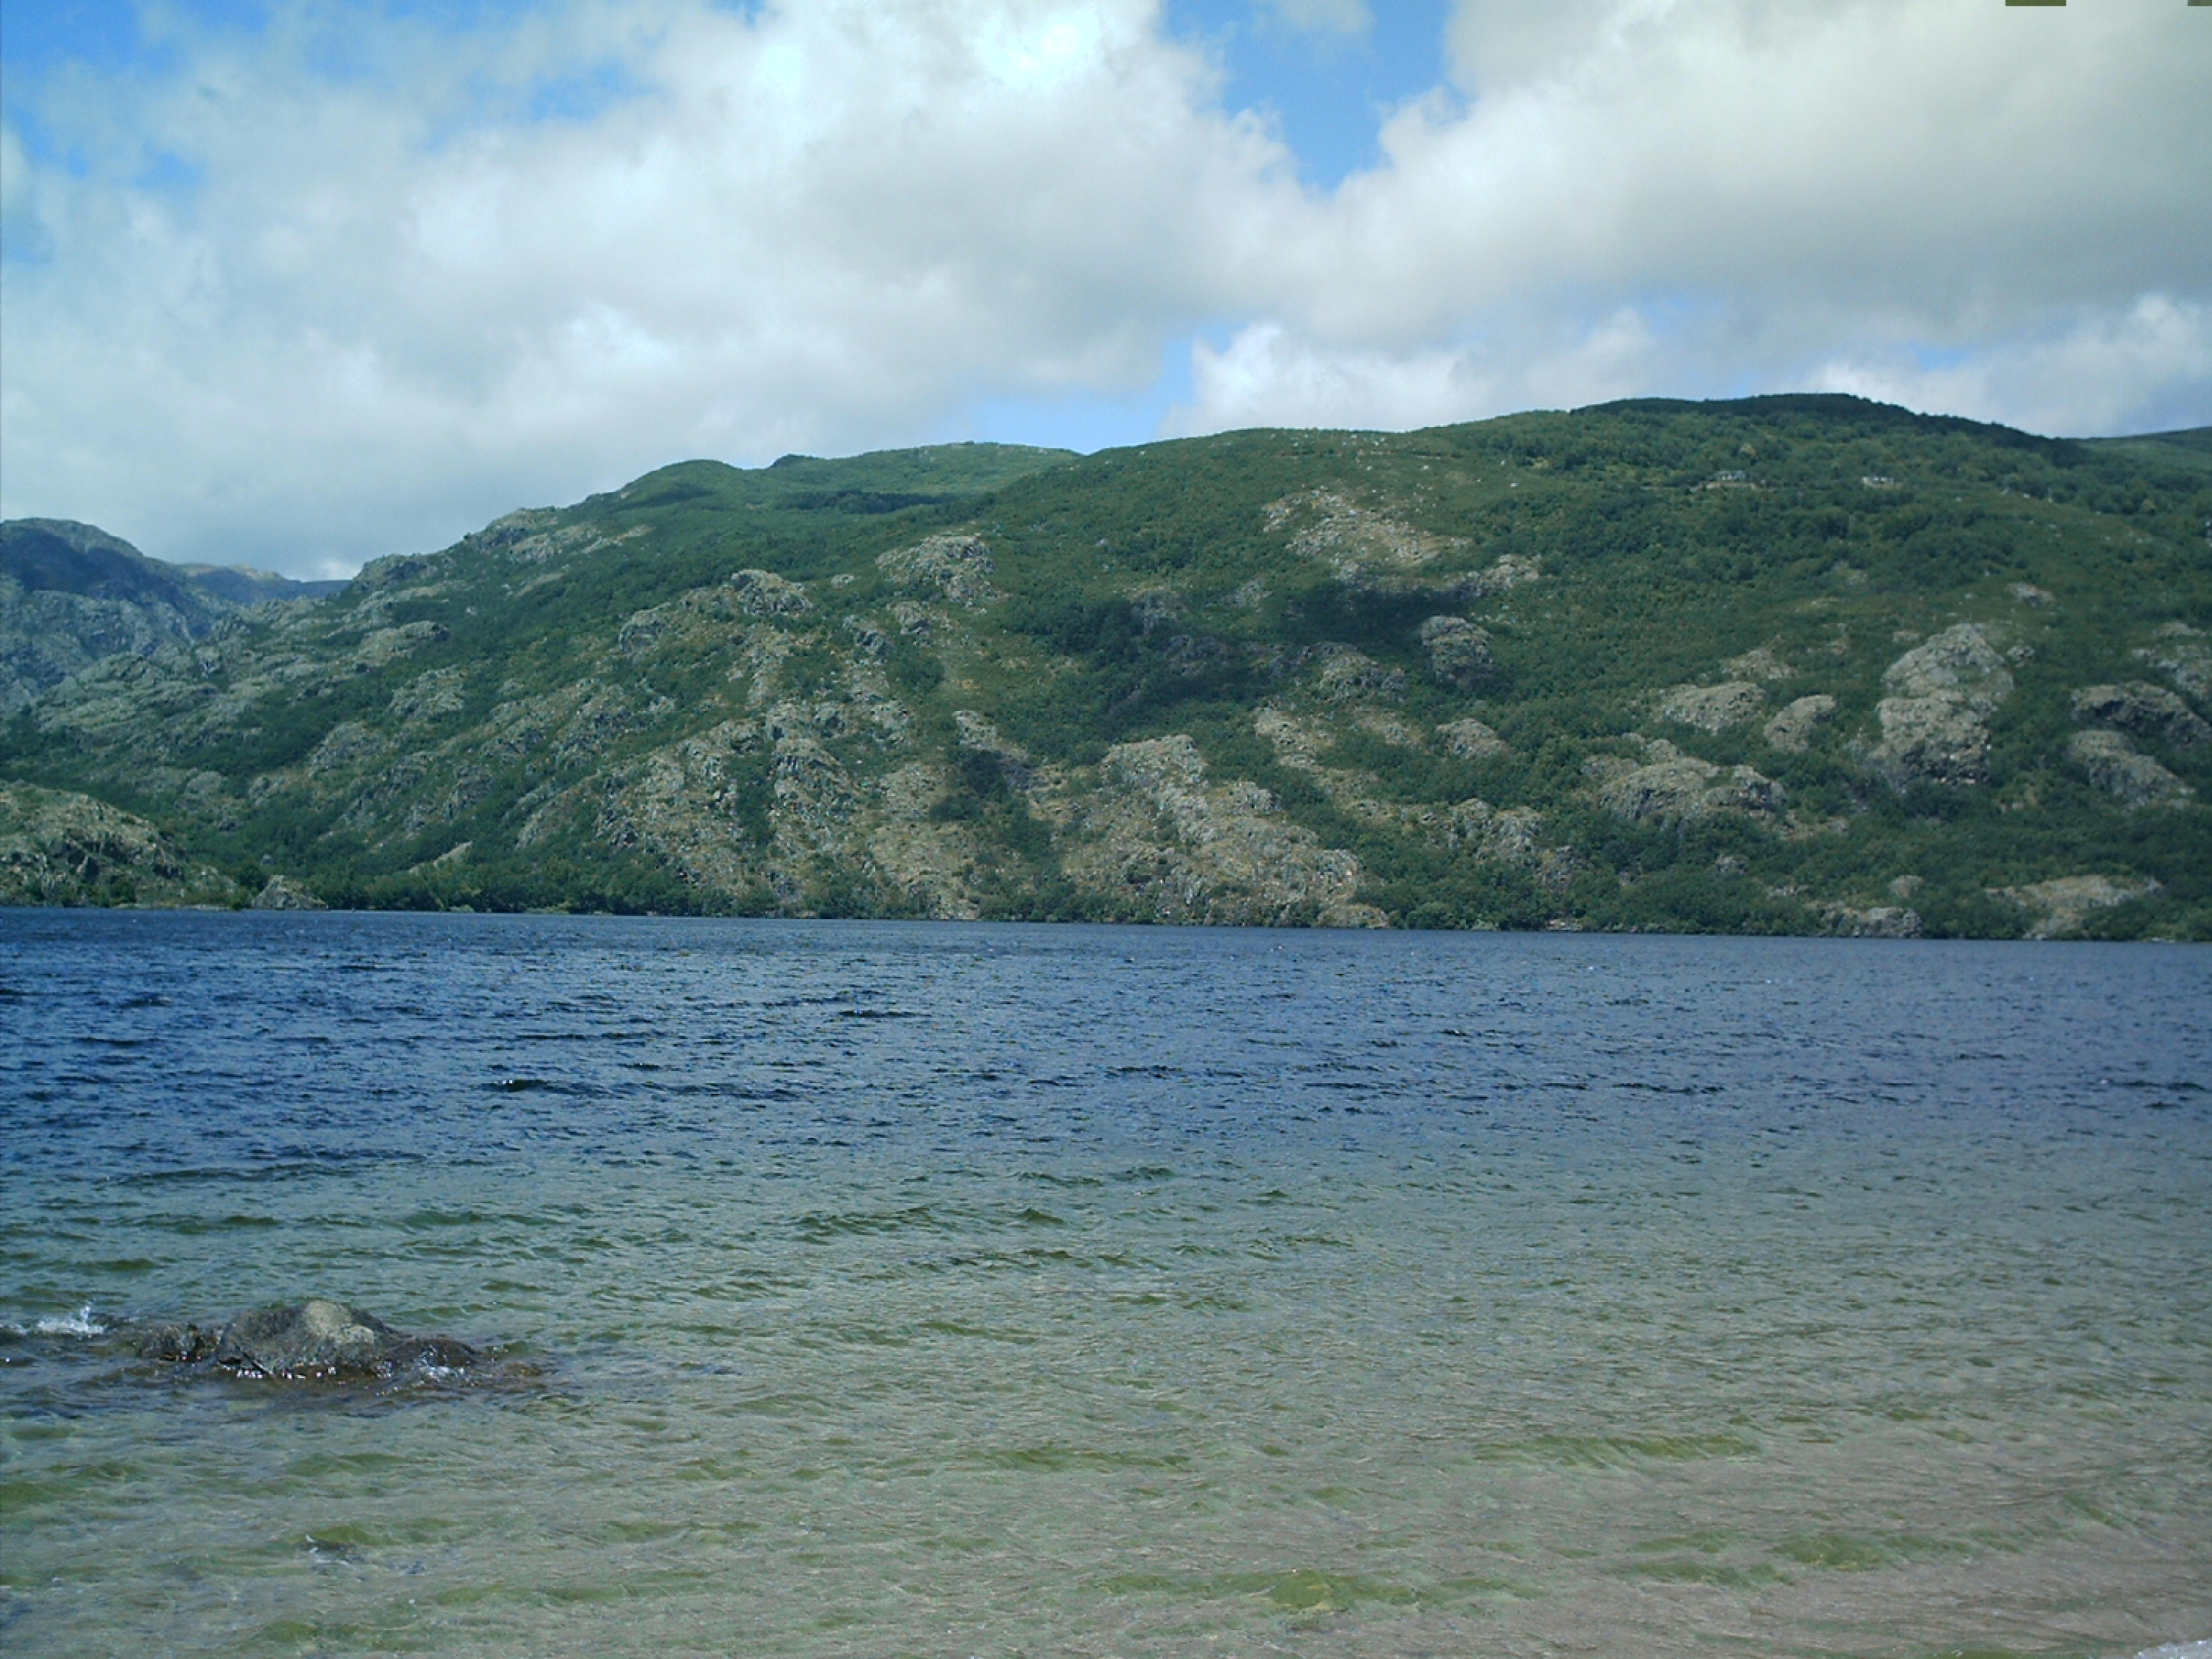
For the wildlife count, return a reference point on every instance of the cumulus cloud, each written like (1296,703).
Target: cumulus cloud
(353,283)
(1776,193)
(1267,376)
(388,304)
(2142,370)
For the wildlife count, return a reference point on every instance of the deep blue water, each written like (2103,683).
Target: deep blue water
(927,1288)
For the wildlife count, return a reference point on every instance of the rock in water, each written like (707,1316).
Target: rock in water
(315,1340)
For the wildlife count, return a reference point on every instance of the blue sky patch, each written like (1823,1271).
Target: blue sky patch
(1327,90)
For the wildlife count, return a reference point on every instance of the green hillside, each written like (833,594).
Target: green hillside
(70,594)
(1802,664)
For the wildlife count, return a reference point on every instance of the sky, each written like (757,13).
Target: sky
(300,282)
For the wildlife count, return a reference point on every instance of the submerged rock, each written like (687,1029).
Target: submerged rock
(315,1340)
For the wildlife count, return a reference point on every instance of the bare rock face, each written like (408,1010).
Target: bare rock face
(2185,656)
(311,1342)
(1791,730)
(60,847)
(2062,905)
(282,893)
(1470,739)
(2132,779)
(1180,849)
(1877,922)
(1671,786)
(71,594)
(1348,675)
(1760,664)
(764,593)
(1507,835)
(1712,707)
(955,567)
(2148,711)
(1354,539)
(1459,650)
(1935,723)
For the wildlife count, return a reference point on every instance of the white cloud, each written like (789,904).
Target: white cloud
(1780,192)
(296,312)
(1939,159)
(2134,371)
(382,316)
(1266,376)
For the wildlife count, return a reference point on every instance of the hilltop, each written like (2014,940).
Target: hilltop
(1802,664)
(70,594)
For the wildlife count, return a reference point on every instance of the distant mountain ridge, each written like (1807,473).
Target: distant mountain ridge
(71,594)
(1799,664)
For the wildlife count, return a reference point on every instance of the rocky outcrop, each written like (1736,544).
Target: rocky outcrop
(60,847)
(282,893)
(1791,730)
(764,593)
(1348,675)
(311,1342)
(1671,786)
(1712,707)
(2185,654)
(1459,650)
(1876,921)
(1176,848)
(1470,739)
(1935,723)
(2146,710)
(2062,905)
(1508,836)
(953,567)
(794,699)
(71,594)
(1354,540)
(1760,664)
(2134,779)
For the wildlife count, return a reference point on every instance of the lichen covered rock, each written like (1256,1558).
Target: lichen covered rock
(1174,848)
(2064,904)
(1671,786)
(2134,779)
(1459,650)
(954,567)
(2147,710)
(1712,707)
(1935,723)
(1791,729)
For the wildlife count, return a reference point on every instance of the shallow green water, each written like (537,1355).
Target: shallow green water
(1041,1291)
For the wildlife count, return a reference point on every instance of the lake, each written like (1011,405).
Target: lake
(937,1289)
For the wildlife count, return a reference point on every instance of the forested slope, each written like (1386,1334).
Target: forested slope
(1799,664)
